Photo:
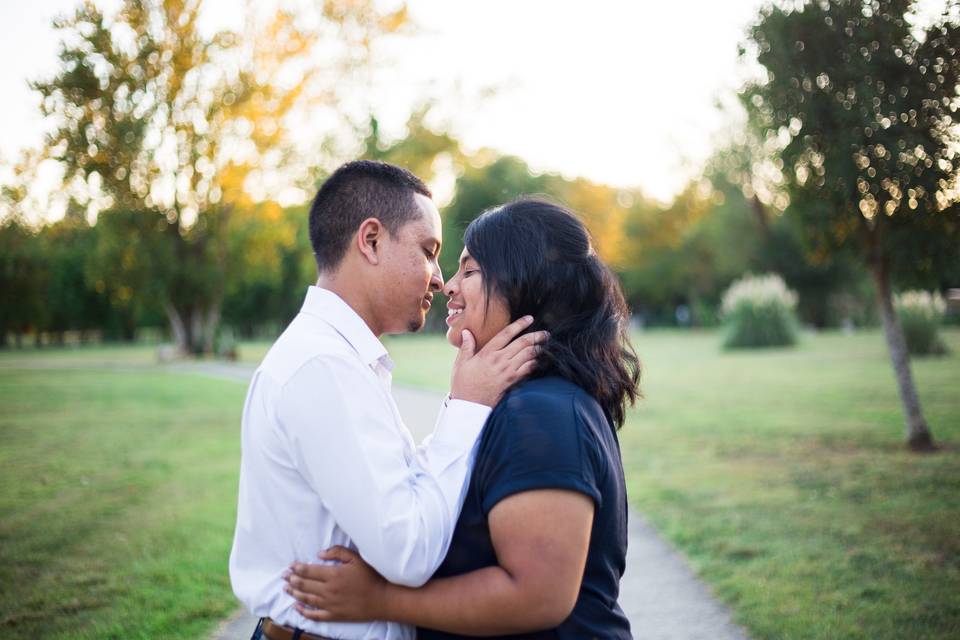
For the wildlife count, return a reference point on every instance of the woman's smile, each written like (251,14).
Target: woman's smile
(453,314)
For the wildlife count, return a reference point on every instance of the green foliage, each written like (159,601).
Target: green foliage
(266,290)
(864,110)
(759,312)
(153,117)
(921,314)
(21,279)
(484,185)
(419,151)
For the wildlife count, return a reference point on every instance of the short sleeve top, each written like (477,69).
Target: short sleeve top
(548,433)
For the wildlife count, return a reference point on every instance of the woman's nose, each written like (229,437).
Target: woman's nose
(449,289)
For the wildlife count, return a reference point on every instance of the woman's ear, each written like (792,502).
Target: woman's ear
(369,239)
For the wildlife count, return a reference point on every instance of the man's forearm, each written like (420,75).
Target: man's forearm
(485,602)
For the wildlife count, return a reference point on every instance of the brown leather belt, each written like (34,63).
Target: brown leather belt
(273,631)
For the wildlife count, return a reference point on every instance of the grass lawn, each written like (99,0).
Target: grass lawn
(782,476)
(118,498)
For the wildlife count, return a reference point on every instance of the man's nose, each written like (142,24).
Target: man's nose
(436,281)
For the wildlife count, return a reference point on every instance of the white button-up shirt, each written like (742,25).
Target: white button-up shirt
(327,460)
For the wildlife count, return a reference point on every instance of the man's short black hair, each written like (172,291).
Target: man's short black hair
(356,191)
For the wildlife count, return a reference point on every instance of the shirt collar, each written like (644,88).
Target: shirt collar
(332,309)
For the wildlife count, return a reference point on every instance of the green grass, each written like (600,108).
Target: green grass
(782,476)
(85,356)
(118,498)
(422,360)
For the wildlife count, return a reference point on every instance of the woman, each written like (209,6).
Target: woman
(540,544)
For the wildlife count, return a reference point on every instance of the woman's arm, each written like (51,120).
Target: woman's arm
(540,538)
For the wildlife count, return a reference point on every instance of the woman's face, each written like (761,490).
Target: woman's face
(467,306)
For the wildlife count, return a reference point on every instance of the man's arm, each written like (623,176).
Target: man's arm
(399,513)
(541,539)
(345,442)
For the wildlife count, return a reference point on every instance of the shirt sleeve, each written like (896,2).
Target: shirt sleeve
(537,441)
(399,510)
(456,430)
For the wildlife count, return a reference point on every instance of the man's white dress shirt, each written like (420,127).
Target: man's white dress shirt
(327,460)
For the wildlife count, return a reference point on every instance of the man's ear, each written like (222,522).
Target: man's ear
(370,236)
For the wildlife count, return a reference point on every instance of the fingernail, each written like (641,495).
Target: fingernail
(286,574)
(528,318)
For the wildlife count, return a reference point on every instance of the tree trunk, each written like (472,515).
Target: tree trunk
(177,328)
(918,435)
(211,322)
(194,328)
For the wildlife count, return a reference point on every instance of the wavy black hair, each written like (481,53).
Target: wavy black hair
(537,255)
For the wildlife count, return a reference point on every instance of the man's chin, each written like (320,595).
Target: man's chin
(416,325)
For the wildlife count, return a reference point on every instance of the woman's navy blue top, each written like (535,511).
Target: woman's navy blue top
(548,433)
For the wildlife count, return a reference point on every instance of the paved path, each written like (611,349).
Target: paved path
(661,596)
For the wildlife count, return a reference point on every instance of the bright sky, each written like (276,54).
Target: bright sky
(622,92)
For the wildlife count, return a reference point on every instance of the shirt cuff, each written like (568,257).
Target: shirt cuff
(459,423)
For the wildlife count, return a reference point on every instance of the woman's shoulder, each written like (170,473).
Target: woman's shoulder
(540,436)
(546,401)
(550,393)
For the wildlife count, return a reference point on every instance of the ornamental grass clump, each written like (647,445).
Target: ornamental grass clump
(759,312)
(920,314)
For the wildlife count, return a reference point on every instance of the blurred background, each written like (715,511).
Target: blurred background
(775,185)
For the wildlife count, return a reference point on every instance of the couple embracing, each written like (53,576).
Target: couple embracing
(510,519)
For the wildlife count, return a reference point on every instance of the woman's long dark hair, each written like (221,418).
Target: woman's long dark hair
(537,255)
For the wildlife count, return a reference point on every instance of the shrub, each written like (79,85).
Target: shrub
(920,314)
(225,346)
(759,312)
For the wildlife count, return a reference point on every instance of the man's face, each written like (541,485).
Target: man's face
(412,273)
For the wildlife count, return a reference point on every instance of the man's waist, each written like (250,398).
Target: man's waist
(273,631)
(370,629)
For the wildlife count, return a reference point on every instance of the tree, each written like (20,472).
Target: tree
(865,108)
(70,303)
(21,271)
(154,118)
(419,150)
(485,182)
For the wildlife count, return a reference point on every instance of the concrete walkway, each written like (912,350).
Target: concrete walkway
(661,596)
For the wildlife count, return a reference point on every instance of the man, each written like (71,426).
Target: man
(326,458)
